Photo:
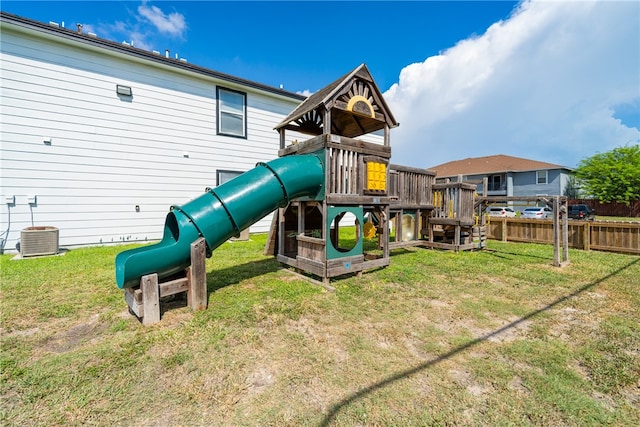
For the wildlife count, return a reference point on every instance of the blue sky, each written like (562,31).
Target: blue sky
(303,45)
(554,81)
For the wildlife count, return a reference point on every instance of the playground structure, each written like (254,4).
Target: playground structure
(328,192)
(560,228)
(403,203)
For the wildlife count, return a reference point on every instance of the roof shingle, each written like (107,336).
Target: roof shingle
(491,164)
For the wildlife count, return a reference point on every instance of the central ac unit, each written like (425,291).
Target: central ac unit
(39,240)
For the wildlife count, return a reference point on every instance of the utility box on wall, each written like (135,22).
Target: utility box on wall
(39,240)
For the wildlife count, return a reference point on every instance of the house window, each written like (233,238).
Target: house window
(232,113)
(541,177)
(226,176)
(495,183)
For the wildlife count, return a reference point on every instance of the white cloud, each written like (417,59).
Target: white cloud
(172,23)
(149,29)
(139,40)
(88,28)
(543,84)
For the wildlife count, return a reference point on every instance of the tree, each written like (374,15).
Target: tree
(572,190)
(613,176)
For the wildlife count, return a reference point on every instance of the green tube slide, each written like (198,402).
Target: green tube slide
(222,213)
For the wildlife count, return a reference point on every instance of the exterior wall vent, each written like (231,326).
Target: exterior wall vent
(39,240)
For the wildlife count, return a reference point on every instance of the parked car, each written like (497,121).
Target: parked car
(537,213)
(581,212)
(501,211)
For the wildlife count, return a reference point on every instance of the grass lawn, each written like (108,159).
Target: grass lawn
(497,337)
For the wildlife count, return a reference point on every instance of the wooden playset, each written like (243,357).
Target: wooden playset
(404,204)
(341,206)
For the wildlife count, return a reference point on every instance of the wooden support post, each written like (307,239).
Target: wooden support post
(301,212)
(271,247)
(281,231)
(326,283)
(144,301)
(197,276)
(399,229)
(150,299)
(385,214)
(560,233)
(556,233)
(387,136)
(565,232)
(481,208)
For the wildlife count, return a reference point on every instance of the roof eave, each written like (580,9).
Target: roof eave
(506,171)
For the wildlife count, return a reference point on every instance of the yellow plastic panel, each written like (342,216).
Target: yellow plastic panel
(376,176)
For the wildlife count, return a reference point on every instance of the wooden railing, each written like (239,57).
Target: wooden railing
(311,248)
(609,236)
(411,186)
(453,201)
(344,170)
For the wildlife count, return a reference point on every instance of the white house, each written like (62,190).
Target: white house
(99,139)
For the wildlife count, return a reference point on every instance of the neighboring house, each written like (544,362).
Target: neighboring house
(99,139)
(507,175)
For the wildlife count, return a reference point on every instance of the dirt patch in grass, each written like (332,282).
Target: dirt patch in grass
(517,384)
(415,348)
(465,379)
(83,333)
(19,332)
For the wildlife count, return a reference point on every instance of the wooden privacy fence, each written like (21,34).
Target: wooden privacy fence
(610,208)
(609,236)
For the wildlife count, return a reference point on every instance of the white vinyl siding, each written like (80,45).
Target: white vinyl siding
(108,153)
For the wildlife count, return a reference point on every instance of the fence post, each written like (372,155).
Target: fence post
(586,236)
(503,229)
(556,233)
(564,209)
